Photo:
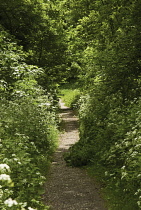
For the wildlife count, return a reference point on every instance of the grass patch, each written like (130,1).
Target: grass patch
(70,94)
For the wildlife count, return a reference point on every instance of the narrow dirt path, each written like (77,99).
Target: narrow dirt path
(70,188)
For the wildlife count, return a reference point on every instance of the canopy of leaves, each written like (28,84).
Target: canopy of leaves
(37,27)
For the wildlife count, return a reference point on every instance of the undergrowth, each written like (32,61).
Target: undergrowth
(114,195)
(28,130)
(110,144)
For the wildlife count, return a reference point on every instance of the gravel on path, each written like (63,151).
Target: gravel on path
(70,188)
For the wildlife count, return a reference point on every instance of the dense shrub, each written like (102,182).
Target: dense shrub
(122,161)
(28,138)
(28,128)
(110,139)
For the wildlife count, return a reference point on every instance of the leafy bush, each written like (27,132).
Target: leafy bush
(78,155)
(28,138)
(110,139)
(28,130)
(122,161)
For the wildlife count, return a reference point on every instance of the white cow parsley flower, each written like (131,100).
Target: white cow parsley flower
(4,167)
(5,177)
(29,208)
(9,202)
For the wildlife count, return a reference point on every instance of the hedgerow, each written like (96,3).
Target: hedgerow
(110,139)
(28,127)
(28,138)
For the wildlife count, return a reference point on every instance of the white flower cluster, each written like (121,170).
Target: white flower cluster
(9,202)
(29,208)
(5,177)
(4,168)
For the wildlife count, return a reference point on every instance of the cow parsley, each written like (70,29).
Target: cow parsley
(9,202)
(5,177)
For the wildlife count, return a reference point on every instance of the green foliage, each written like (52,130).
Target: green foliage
(95,42)
(78,155)
(28,128)
(104,43)
(110,138)
(28,138)
(37,27)
(124,155)
(10,62)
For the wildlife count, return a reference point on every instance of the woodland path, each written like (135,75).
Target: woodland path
(70,188)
